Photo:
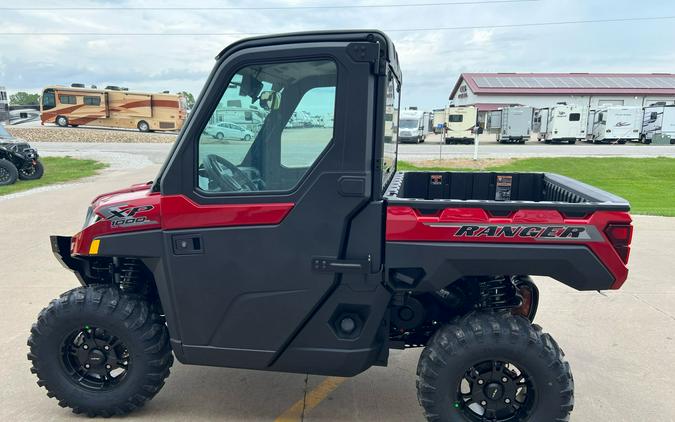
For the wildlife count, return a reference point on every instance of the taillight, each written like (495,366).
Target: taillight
(620,235)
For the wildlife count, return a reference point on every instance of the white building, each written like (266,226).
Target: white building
(490,91)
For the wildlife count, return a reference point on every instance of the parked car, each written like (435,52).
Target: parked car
(17,159)
(226,130)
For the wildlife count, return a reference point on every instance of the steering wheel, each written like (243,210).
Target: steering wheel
(236,182)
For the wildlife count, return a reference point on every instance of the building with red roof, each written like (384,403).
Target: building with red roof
(489,91)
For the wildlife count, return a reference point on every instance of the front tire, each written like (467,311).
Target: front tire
(99,351)
(34,172)
(496,366)
(61,121)
(8,172)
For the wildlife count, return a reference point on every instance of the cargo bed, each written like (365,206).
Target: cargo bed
(499,191)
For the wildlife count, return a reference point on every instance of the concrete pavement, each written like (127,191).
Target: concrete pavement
(620,344)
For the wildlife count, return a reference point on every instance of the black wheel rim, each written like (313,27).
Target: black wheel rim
(4,174)
(95,359)
(28,171)
(495,391)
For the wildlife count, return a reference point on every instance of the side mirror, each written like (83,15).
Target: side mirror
(269,100)
(250,87)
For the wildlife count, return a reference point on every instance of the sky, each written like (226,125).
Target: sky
(181,56)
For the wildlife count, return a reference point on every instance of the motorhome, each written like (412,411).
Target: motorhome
(616,124)
(658,120)
(540,122)
(112,107)
(412,126)
(439,119)
(515,124)
(4,106)
(460,125)
(566,123)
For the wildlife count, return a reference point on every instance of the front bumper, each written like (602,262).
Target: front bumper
(61,250)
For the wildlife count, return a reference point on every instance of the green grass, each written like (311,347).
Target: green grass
(647,183)
(57,170)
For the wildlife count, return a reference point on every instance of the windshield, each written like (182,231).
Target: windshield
(408,124)
(4,134)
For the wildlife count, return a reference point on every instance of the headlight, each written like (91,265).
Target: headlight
(91,218)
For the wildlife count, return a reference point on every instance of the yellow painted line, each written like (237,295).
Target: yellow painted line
(311,400)
(93,248)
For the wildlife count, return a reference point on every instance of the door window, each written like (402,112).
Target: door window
(306,134)
(269,128)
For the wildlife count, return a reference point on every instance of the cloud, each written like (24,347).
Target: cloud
(431,60)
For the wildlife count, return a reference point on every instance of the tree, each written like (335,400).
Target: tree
(189,98)
(24,98)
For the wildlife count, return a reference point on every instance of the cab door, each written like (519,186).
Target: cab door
(251,228)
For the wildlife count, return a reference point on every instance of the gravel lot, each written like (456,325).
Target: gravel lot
(52,133)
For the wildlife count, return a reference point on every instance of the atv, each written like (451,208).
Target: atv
(17,160)
(306,251)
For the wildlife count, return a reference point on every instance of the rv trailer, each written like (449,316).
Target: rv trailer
(540,122)
(658,120)
(411,126)
(616,124)
(4,106)
(515,124)
(566,123)
(439,119)
(112,107)
(460,124)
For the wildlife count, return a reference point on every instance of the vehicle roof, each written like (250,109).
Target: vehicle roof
(83,90)
(322,36)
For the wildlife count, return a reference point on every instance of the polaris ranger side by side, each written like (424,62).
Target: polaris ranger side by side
(305,251)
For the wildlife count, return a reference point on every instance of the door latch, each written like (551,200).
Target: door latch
(187,244)
(334,265)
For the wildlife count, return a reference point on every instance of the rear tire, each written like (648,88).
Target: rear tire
(143,126)
(454,362)
(137,344)
(33,173)
(572,142)
(61,121)
(8,173)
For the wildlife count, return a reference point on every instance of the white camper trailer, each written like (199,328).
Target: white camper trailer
(566,123)
(411,126)
(439,120)
(616,124)
(658,120)
(460,125)
(516,124)
(540,122)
